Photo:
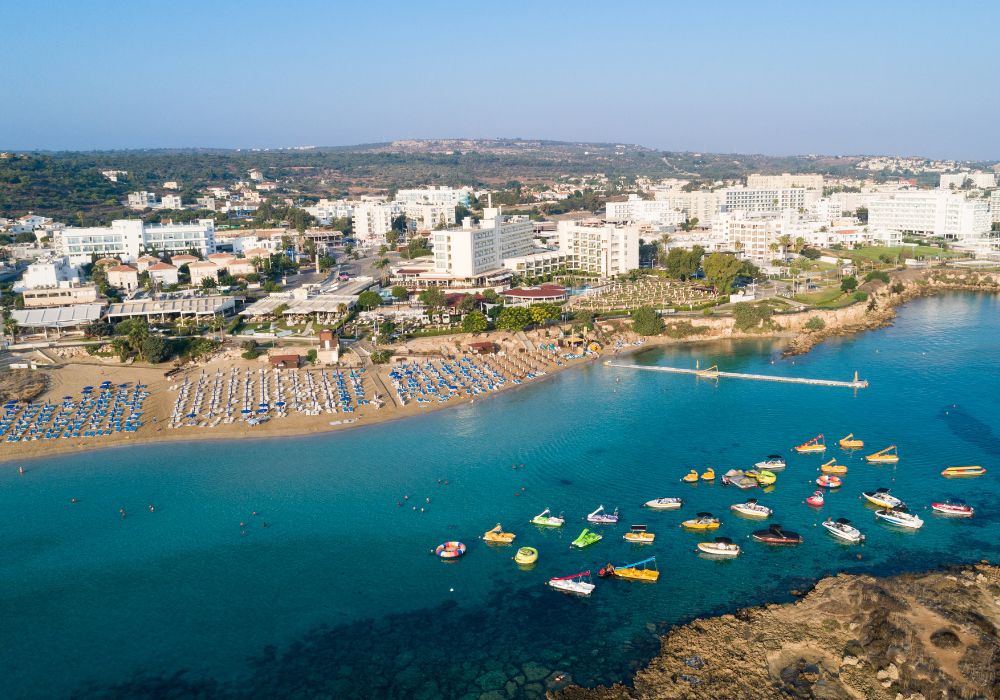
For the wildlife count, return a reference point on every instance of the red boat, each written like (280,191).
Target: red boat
(817,499)
(777,535)
(954,506)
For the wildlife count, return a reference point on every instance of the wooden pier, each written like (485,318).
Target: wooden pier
(713,372)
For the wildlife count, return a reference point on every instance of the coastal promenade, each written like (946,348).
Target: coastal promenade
(713,373)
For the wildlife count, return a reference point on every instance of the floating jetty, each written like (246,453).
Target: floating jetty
(714,372)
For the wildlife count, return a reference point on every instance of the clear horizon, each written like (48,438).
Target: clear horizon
(773,78)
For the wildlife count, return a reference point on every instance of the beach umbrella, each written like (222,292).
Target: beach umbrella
(246,410)
(279,403)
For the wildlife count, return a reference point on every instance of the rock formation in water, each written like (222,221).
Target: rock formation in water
(913,636)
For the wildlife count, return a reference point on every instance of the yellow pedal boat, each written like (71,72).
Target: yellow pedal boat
(848,442)
(765,477)
(633,572)
(963,471)
(691,477)
(832,467)
(887,456)
(708,475)
(817,444)
(498,536)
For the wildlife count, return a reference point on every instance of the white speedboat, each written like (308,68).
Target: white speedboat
(577,584)
(546,519)
(900,517)
(882,497)
(842,528)
(752,509)
(602,518)
(721,547)
(664,503)
(774,463)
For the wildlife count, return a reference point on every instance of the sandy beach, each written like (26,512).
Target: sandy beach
(513,358)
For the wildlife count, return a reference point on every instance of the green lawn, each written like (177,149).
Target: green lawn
(921,251)
(828,298)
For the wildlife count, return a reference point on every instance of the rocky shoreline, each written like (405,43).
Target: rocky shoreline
(906,637)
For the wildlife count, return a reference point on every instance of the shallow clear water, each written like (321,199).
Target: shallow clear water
(338,595)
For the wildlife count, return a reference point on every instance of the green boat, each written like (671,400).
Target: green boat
(586,539)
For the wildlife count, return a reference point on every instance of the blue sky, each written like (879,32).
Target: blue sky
(909,78)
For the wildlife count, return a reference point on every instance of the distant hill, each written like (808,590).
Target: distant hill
(70,187)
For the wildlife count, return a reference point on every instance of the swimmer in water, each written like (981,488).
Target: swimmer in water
(121,511)
(151,508)
(73,500)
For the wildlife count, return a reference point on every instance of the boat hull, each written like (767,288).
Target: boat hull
(639,537)
(845,536)
(711,549)
(909,524)
(693,525)
(661,505)
(962,472)
(750,512)
(954,511)
(579,588)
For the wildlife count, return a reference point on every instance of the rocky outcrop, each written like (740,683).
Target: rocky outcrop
(908,637)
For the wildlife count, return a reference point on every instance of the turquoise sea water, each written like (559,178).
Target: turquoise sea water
(338,595)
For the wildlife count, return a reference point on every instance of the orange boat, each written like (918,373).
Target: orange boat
(848,442)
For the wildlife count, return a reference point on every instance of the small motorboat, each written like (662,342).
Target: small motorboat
(813,446)
(691,477)
(774,463)
(708,475)
(817,499)
(526,555)
(664,503)
(832,467)
(752,509)
(901,517)
(889,455)
(601,518)
(498,536)
(842,528)
(776,534)
(765,477)
(882,497)
(648,572)
(829,481)
(703,521)
(953,506)
(546,519)
(585,539)
(577,584)
(721,547)
(638,535)
(952,472)
(450,550)
(849,442)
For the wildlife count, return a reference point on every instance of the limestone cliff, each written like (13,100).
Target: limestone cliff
(933,635)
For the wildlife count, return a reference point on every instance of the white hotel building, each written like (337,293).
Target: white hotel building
(478,251)
(643,211)
(938,213)
(765,200)
(605,248)
(127,240)
(442,196)
(372,220)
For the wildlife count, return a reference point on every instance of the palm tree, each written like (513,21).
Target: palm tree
(10,328)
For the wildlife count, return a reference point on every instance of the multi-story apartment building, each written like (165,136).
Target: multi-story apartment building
(141,200)
(593,245)
(930,213)
(784,181)
(995,206)
(49,272)
(768,200)
(703,205)
(171,201)
(978,180)
(643,211)
(430,216)
(372,220)
(474,250)
(127,240)
(753,236)
(443,196)
(326,211)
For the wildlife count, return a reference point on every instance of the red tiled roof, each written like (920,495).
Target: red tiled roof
(122,268)
(546,290)
(162,266)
